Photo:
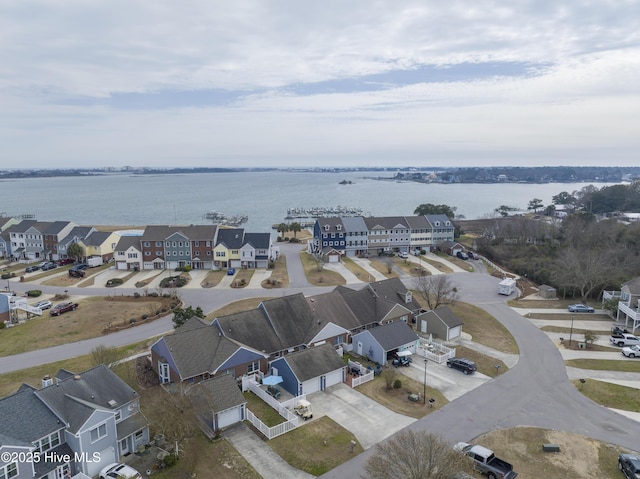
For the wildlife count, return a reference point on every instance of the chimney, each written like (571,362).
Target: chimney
(47,381)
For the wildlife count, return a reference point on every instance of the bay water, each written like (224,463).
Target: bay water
(138,200)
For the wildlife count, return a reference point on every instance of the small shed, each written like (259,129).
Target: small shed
(441,322)
(219,401)
(331,255)
(547,292)
(378,343)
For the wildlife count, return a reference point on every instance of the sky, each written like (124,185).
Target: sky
(286,83)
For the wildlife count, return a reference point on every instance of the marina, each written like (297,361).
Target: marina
(323,212)
(221,219)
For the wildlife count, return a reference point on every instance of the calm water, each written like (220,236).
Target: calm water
(184,199)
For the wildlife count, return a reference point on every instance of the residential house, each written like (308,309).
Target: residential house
(628,303)
(329,235)
(388,234)
(177,250)
(256,252)
(152,244)
(356,236)
(442,323)
(229,241)
(309,370)
(219,402)
(380,343)
(451,247)
(51,237)
(442,229)
(128,253)
(26,240)
(77,424)
(100,243)
(202,239)
(5,241)
(420,234)
(76,235)
(276,327)
(197,351)
(101,413)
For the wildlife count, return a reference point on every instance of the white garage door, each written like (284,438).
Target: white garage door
(108,456)
(455,332)
(229,417)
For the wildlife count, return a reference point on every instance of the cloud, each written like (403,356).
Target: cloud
(157,83)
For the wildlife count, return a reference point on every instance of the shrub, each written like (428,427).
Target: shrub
(136,294)
(2,325)
(166,295)
(153,295)
(170,460)
(8,275)
(397,384)
(34,293)
(186,269)
(132,321)
(144,316)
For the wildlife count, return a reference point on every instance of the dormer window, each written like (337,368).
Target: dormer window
(437,223)
(338,227)
(327,227)
(448,223)
(408,297)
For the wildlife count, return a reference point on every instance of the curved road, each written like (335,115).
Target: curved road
(536,392)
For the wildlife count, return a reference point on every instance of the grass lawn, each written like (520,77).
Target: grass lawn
(576,332)
(242,278)
(235,307)
(624,365)
(484,328)
(262,410)
(610,395)
(398,399)
(213,278)
(378,263)
(317,446)
(279,275)
(486,364)
(324,277)
(93,316)
(355,269)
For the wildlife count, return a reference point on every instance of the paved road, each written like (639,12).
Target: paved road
(536,392)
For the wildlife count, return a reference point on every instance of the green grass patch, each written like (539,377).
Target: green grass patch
(610,395)
(576,332)
(624,365)
(262,410)
(484,328)
(355,268)
(319,276)
(317,446)
(486,364)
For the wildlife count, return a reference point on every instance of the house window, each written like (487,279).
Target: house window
(338,340)
(118,415)
(197,243)
(9,471)
(147,253)
(139,436)
(98,433)
(253,367)
(63,472)
(146,243)
(208,253)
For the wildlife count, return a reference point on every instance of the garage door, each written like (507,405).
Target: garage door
(455,332)
(229,417)
(108,456)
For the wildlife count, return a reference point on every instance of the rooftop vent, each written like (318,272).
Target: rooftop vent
(77,377)
(112,403)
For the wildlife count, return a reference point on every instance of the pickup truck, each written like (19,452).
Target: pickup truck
(624,339)
(486,461)
(58,309)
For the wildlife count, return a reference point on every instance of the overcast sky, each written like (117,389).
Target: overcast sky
(330,83)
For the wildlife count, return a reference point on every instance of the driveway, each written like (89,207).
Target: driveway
(369,421)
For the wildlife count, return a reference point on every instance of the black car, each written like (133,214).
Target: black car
(462,255)
(31,269)
(49,266)
(462,364)
(629,464)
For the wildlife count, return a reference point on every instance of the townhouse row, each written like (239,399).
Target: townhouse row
(362,236)
(154,247)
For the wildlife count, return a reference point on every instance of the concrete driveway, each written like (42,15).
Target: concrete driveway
(369,421)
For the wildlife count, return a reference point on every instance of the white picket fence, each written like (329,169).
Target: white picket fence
(282,408)
(435,351)
(365,374)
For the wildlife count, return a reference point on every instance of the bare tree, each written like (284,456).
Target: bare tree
(436,289)
(387,261)
(102,354)
(416,455)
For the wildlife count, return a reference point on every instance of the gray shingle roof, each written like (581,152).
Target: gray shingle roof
(258,240)
(394,290)
(393,335)
(75,398)
(126,242)
(633,285)
(222,391)
(24,418)
(332,308)
(198,348)
(313,362)
(232,238)
(96,238)
(445,315)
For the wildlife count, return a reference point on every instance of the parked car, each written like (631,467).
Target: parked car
(467,366)
(580,308)
(43,304)
(404,255)
(231,271)
(402,358)
(119,471)
(486,461)
(48,266)
(303,409)
(629,465)
(624,339)
(631,351)
(31,269)
(65,261)
(58,309)
(77,271)
(462,255)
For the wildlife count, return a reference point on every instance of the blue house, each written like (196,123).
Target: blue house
(379,343)
(309,370)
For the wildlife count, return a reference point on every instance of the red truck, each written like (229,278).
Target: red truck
(58,309)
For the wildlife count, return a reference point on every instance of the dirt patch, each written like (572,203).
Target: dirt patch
(579,456)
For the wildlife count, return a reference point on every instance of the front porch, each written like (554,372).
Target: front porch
(627,313)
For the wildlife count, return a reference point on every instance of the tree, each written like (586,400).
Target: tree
(504,210)
(535,204)
(436,289)
(102,354)
(295,227)
(387,261)
(590,337)
(180,316)
(416,455)
(283,228)
(74,250)
(431,209)
(563,198)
